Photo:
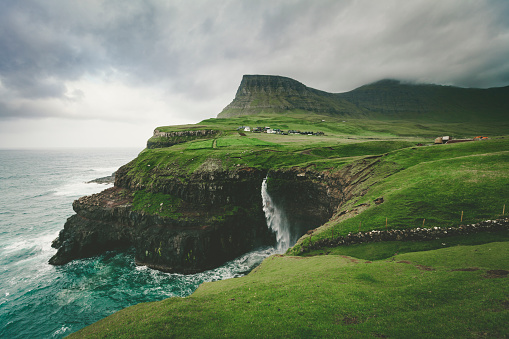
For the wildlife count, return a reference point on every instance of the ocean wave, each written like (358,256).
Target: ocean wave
(107,170)
(27,249)
(61,331)
(78,189)
(181,285)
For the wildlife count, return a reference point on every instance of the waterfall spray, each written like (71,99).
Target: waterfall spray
(276,220)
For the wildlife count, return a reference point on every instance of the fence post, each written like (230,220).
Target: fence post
(461,216)
(423,221)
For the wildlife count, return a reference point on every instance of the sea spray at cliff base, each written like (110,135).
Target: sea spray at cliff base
(38,300)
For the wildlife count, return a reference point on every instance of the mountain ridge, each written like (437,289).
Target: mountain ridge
(383,99)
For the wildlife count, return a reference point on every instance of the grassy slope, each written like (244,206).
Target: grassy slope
(434,183)
(414,295)
(336,296)
(425,102)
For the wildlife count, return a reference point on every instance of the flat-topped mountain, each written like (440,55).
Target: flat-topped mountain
(267,93)
(385,99)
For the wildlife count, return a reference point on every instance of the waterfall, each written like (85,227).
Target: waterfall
(276,220)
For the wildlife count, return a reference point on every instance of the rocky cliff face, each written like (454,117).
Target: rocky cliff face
(208,231)
(167,139)
(204,237)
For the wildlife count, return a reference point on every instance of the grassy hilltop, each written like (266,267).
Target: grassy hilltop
(450,287)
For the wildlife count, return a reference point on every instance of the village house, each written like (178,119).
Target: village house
(442,140)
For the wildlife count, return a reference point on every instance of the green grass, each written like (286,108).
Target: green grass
(413,295)
(161,204)
(431,185)
(387,249)
(238,141)
(202,144)
(360,149)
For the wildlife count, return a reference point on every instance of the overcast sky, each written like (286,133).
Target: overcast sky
(105,73)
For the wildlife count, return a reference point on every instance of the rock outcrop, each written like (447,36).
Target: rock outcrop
(203,236)
(166,139)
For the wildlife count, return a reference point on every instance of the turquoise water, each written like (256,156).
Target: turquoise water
(38,300)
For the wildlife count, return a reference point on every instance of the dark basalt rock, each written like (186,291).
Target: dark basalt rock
(106,221)
(204,236)
(110,179)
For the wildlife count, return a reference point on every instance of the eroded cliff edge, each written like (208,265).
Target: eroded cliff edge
(204,219)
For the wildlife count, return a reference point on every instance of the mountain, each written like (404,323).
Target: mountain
(385,99)
(267,93)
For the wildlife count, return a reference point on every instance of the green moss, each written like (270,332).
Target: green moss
(161,204)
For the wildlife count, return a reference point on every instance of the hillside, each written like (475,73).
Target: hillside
(386,100)
(192,200)
(454,286)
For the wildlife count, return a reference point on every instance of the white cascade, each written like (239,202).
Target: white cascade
(276,220)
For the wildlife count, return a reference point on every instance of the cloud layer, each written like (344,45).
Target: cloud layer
(150,63)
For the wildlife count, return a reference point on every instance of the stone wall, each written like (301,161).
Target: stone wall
(413,234)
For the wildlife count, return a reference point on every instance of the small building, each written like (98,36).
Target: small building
(247,129)
(442,140)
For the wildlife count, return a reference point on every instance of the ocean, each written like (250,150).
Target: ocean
(37,300)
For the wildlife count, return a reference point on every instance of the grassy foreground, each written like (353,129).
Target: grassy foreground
(458,292)
(445,288)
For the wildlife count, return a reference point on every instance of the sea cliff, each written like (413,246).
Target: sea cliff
(194,223)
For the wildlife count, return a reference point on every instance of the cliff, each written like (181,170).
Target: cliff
(167,139)
(204,219)
(204,234)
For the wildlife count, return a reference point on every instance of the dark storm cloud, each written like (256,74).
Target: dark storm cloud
(201,49)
